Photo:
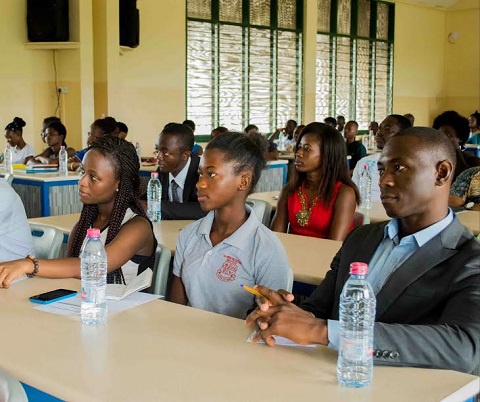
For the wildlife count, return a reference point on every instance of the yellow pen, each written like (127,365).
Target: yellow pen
(251,290)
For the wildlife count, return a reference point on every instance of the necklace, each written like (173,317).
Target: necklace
(303,216)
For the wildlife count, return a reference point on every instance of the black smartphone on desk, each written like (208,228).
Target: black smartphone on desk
(52,296)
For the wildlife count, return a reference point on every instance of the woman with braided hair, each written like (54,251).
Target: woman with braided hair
(109,189)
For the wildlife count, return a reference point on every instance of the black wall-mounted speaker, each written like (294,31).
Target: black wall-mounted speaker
(47,20)
(129,23)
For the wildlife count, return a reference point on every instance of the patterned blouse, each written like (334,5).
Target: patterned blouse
(467,185)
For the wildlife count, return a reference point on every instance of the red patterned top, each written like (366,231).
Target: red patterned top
(320,219)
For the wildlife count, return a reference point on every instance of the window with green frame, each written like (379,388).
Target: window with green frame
(244,63)
(354,60)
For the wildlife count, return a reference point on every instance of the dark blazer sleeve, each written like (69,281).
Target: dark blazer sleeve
(435,321)
(190,208)
(427,311)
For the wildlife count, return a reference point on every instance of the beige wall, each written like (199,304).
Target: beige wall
(419,68)
(462,64)
(145,87)
(150,86)
(26,76)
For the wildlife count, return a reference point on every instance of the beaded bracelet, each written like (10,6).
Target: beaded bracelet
(35,265)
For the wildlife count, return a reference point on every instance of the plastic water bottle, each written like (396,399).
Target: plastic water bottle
(357,317)
(371,140)
(138,148)
(62,162)
(366,141)
(365,188)
(94,279)
(8,160)
(281,142)
(154,198)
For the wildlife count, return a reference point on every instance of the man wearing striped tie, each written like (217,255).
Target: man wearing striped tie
(178,173)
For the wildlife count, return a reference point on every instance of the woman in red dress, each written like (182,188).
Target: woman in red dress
(319,199)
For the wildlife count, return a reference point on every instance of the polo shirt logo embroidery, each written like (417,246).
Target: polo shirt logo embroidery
(228,271)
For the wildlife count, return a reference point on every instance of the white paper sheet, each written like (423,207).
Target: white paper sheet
(71,306)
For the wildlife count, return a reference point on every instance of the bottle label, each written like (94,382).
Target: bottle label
(93,294)
(356,349)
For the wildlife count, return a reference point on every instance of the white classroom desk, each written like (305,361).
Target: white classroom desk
(470,219)
(309,257)
(160,351)
(46,194)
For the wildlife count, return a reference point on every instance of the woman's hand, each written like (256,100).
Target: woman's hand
(12,270)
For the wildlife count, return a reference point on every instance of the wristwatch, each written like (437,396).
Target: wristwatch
(469,205)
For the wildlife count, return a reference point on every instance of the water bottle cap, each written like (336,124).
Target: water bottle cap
(93,233)
(358,268)
(62,147)
(155,175)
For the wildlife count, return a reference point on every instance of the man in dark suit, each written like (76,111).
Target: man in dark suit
(424,267)
(178,173)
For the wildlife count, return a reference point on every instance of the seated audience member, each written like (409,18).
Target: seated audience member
(455,127)
(262,142)
(196,148)
(218,131)
(178,173)
(474,124)
(45,123)
(330,121)
(15,236)
(410,117)
(373,127)
(288,130)
(111,125)
(340,123)
(272,153)
(465,191)
(388,127)
(319,199)
(229,246)
(355,149)
(298,131)
(14,136)
(424,267)
(122,130)
(108,189)
(55,135)
(98,129)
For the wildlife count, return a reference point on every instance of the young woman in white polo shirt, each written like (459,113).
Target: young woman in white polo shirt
(230,246)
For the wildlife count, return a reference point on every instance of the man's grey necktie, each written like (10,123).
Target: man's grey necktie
(175,191)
